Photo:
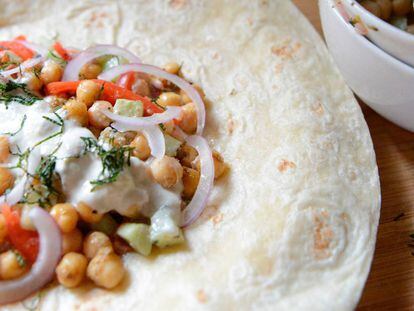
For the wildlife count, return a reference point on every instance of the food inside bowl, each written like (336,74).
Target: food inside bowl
(399,13)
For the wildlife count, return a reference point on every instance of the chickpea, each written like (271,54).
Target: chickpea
(72,241)
(141,148)
(55,101)
(141,87)
(6,180)
(71,269)
(66,216)
(90,71)
(386,8)
(10,268)
(51,72)
(190,182)
(172,68)
(402,7)
(117,139)
(167,171)
(77,111)
(4,149)
(186,99)
(31,80)
(95,241)
(372,7)
(96,117)
(169,127)
(187,155)
(169,99)
(87,92)
(3,228)
(87,214)
(106,268)
(188,118)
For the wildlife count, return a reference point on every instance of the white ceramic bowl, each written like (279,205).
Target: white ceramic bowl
(391,39)
(383,82)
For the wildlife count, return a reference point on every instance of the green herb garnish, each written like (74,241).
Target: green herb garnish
(20,128)
(20,259)
(60,122)
(7,97)
(113,161)
(56,58)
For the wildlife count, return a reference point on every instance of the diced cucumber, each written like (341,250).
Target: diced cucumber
(171,145)
(106,225)
(164,227)
(129,108)
(137,236)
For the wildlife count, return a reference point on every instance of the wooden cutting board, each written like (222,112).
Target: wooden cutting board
(390,285)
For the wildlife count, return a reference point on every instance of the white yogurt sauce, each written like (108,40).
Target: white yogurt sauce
(134,189)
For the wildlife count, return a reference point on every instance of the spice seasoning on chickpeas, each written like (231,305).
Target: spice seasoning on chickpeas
(110,163)
(399,13)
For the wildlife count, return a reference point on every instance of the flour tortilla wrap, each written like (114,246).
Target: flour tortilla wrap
(293,225)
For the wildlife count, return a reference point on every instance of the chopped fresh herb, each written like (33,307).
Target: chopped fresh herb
(58,122)
(20,128)
(7,97)
(113,160)
(154,101)
(162,126)
(56,58)
(46,170)
(20,259)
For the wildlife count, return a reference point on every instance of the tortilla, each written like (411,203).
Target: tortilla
(293,225)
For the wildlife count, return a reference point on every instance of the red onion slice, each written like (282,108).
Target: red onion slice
(74,66)
(169,114)
(15,194)
(40,50)
(23,66)
(114,72)
(44,268)
(153,134)
(199,200)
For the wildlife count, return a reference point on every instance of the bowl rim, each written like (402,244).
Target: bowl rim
(374,19)
(376,49)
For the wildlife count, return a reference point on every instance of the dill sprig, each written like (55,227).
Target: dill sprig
(113,161)
(59,122)
(19,129)
(20,259)
(7,97)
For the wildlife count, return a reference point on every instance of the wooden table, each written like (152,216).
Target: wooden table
(390,284)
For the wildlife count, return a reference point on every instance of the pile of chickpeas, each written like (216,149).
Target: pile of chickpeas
(93,254)
(392,10)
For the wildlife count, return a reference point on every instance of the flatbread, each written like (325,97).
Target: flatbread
(293,226)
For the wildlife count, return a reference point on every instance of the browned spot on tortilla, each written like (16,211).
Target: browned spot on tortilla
(217,218)
(96,19)
(250,21)
(201,296)
(318,109)
(278,68)
(215,55)
(178,4)
(322,236)
(286,50)
(230,125)
(285,164)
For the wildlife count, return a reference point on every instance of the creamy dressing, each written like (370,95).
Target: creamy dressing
(132,193)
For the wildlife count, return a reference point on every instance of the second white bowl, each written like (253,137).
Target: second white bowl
(383,82)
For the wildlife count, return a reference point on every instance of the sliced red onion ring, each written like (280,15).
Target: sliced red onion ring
(114,72)
(43,269)
(152,133)
(74,66)
(157,118)
(199,200)
(23,66)
(40,50)
(15,194)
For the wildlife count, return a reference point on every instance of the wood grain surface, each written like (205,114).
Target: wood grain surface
(390,284)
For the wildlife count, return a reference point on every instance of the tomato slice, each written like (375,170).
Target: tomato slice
(61,51)
(17,48)
(126,80)
(25,241)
